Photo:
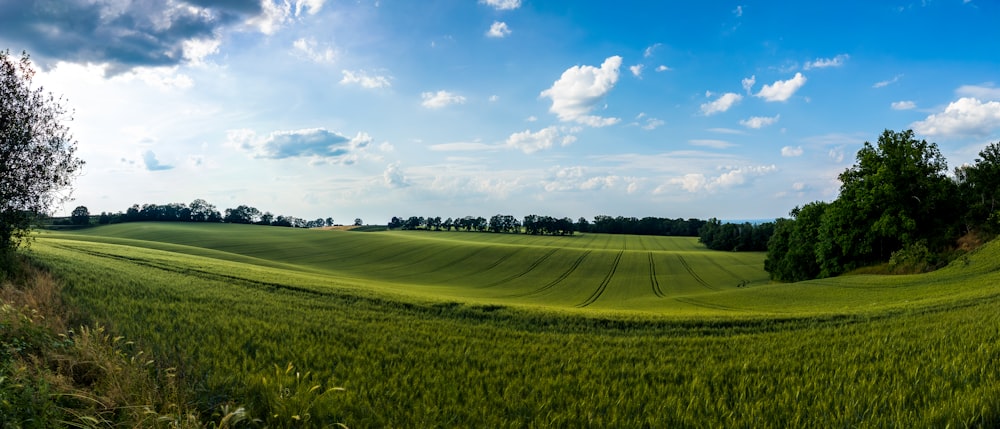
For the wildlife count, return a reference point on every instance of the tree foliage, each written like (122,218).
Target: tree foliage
(37,152)
(896,196)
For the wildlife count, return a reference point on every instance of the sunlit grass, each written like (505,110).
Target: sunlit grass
(493,334)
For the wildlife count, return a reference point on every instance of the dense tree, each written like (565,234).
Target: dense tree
(202,211)
(792,253)
(357,221)
(80,216)
(896,195)
(978,186)
(37,152)
(243,214)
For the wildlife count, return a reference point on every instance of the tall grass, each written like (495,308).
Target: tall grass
(862,351)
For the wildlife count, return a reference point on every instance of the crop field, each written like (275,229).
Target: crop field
(450,329)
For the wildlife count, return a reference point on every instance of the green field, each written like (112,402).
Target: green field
(448,329)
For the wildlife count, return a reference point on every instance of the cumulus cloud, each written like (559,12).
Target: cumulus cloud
(965,117)
(820,63)
(125,34)
(983,92)
(393,176)
(748,83)
(275,15)
(757,122)
(662,68)
(153,164)
(580,89)
(361,77)
(903,105)
(636,70)
(789,151)
(502,4)
(721,104)
(437,100)
(783,89)
(531,142)
(498,30)
(733,176)
(317,143)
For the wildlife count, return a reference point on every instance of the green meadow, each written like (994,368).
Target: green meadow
(456,329)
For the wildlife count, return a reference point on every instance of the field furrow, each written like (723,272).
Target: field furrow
(694,274)
(604,284)
(558,279)
(653,281)
(527,270)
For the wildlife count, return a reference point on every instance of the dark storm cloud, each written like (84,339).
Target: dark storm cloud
(123,33)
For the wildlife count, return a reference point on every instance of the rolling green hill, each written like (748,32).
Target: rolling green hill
(495,330)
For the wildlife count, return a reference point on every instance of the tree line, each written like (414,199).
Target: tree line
(713,233)
(737,237)
(897,205)
(198,211)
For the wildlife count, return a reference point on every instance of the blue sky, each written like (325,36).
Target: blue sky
(317,108)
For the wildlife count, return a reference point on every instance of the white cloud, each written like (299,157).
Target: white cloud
(757,122)
(317,143)
(748,83)
(836,154)
(652,124)
(580,89)
(196,50)
(531,142)
(820,63)
(362,78)
(721,104)
(309,48)
(783,89)
(274,15)
(650,49)
(636,70)
(903,105)
(789,151)
(393,176)
(437,100)
(738,11)
(734,176)
(662,68)
(502,4)
(985,91)
(966,117)
(498,30)
(162,78)
(715,144)
(885,83)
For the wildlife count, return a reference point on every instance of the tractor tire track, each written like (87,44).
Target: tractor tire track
(696,277)
(526,271)
(563,276)
(652,277)
(604,284)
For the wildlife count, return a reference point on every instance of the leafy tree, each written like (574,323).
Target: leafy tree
(80,216)
(359,222)
(792,249)
(202,211)
(896,194)
(978,185)
(37,152)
